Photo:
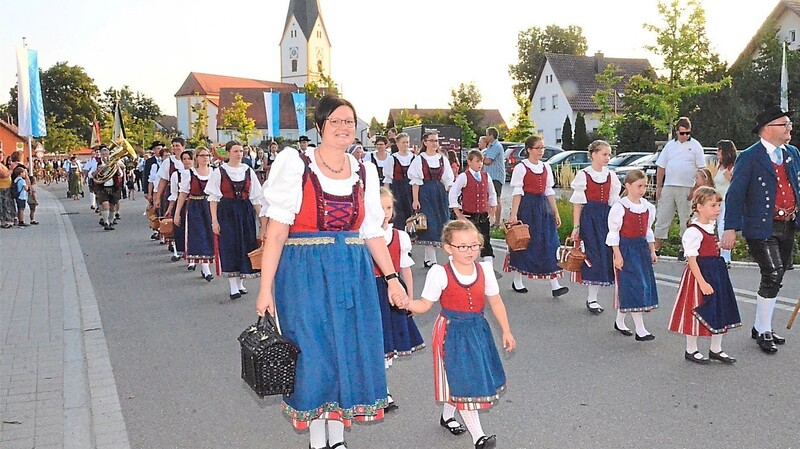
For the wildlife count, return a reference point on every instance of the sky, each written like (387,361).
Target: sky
(384,54)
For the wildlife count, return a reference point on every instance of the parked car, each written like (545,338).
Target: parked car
(648,165)
(517,153)
(625,159)
(574,158)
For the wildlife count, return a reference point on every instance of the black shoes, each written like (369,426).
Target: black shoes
(174,258)
(191,267)
(721,356)
(625,332)
(775,337)
(243,291)
(560,292)
(390,404)
(154,236)
(681,256)
(595,310)
(455,430)
(427,264)
(236,295)
(108,227)
(341,444)
(696,357)
(647,337)
(486,442)
(208,277)
(766,342)
(519,290)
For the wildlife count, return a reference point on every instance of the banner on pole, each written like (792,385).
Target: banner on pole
(268,108)
(30,117)
(276,113)
(299,99)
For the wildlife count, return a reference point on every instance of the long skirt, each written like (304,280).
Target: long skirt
(538,261)
(467,371)
(327,302)
(400,333)
(75,186)
(180,234)
(237,237)
(704,315)
(636,282)
(8,207)
(402,203)
(594,228)
(433,203)
(199,247)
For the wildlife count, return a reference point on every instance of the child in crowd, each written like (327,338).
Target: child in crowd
(533,202)
(706,304)
(594,190)
(401,336)
(32,200)
(630,235)
(468,374)
(20,177)
(472,197)
(702,178)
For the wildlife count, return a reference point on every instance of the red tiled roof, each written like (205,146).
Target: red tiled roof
(11,127)
(491,117)
(257,111)
(209,84)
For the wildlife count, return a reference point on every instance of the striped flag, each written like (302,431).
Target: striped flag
(95,135)
(273,108)
(784,82)
(118,129)
(299,99)
(29,94)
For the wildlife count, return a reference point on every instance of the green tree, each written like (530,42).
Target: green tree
(136,104)
(522,127)
(61,140)
(236,118)
(463,112)
(606,99)
(635,135)
(581,139)
(377,128)
(533,43)
(435,118)
(566,135)
(405,118)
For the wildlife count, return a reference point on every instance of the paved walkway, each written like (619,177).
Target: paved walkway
(57,388)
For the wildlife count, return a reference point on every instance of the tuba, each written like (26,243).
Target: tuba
(111,169)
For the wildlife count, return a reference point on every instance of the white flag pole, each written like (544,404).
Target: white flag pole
(784,82)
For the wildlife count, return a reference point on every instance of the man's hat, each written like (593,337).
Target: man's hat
(304,139)
(156,143)
(768,115)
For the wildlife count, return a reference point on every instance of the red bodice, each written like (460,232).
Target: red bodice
(400,171)
(598,192)
(234,190)
(394,253)
(322,211)
(197,186)
(708,246)
(534,183)
(432,174)
(464,298)
(785,201)
(634,225)
(475,195)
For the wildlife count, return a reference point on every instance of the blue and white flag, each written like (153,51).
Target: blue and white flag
(784,82)
(273,106)
(29,94)
(299,99)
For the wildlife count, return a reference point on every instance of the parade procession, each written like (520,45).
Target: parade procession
(276,266)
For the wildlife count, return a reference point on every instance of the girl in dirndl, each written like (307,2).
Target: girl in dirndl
(594,190)
(430,177)
(468,373)
(401,336)
(187,161)
(396,177)
(196,220)
(706,304)
(324,232)
(533,202)
(234,200)
(630,236)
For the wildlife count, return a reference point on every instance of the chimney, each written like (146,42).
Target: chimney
(599,62)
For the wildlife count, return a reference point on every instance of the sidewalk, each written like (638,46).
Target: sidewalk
(57,388)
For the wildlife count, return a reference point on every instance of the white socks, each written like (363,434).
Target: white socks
(639,322)
(430,254)
(335,431)
(764,309)
(593,291)
(691,344)
(234,285)
(317,434)
(240,284)
(716,343)
(621,321)
(518,280)
(473,422)
(448,411)
(93,199)
(205,269)
(174,249)
(554,284)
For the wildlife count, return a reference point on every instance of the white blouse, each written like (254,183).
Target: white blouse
(263,200)
(405,245)
(692,237)
(461,182)
(236,174)
(163,170)
(416,177)
(722,183)
(388,169)
(153,177)
(617,212)
(518,177)
(579,185)
(173,183)
(373,157)
(436,281)
(186,181)
(285,192)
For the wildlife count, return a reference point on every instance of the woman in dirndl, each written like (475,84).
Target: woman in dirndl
(324,232)
(430,177)
(196,220)
(594,190)
(396,177)
(533,202)
(179,237)
(706,303)
(234,199)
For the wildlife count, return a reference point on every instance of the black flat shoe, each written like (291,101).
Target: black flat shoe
(458,430)
(721,356)
(191,267)
(486,442)
(243,291)
(595,310)
(208,277)
(108,228)
(775,337)
(647,337)
(154,236)
(236,295)
(625,332)
(560,292)
(341,444)
(519,290)
(390,404)
(767,343)
(175,258)
(692,357)
(427,264)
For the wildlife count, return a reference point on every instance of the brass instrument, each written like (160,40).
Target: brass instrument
(111,168)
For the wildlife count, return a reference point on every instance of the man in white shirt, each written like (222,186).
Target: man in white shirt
(677,166)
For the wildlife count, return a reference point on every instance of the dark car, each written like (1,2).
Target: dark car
(574,158)
(625,159)
(517,153)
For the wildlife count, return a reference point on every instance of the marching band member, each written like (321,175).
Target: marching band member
(108,193)
(88,168)
(196,220)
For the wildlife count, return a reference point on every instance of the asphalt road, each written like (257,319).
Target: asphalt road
(573,382)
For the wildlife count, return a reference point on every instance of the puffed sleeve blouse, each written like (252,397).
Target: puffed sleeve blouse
(416,177)
(518,177)
(236,174)
(617,213)
(579,185)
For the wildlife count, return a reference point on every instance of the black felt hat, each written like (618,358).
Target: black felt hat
(768,115)
(304,139)
(157,143)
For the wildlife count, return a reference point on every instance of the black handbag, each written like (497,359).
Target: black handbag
(269,360)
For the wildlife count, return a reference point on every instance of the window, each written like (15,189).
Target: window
(294,65)
(319,34)
(542,103)
(555,101)
(792,35)
(558,136)
(293,33)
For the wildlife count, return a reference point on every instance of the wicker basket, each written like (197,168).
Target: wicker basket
(167,227)
(155,223)
(570,256)
(151,212)
(416,222)
(518,235)
(255,256)
(269,361)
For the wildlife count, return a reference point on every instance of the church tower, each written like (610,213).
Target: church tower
(305,48)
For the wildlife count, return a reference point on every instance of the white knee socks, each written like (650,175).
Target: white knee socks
(764,309)
(518,280)
(691,344)
(317,434)
(104,215)
(639,322)
(716,343)
(234,285)
(554,284)
(335,431)
(448,411)
(473,422)
(240,284)
(621,321)
(205,269)
(430,254)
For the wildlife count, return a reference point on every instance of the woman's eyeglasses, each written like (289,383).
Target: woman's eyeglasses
(464,248)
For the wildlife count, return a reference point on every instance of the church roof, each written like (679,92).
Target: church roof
(491,117)
(209,84)
(306,12)
(257,110)
(576,75)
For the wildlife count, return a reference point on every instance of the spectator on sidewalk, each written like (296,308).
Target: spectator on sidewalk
(32,200)
(20,186)
(677,165)
(495,165)
(7,206)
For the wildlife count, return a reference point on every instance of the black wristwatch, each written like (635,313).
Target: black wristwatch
(390,276)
